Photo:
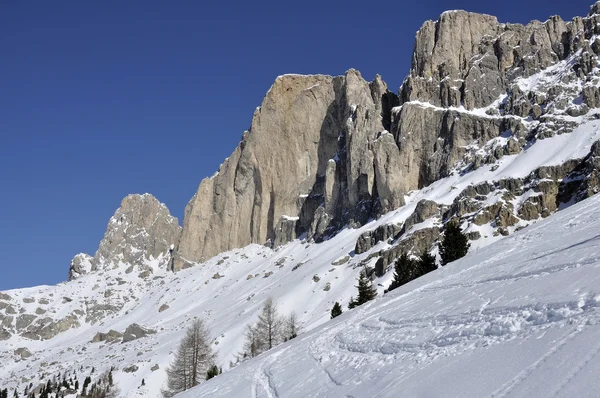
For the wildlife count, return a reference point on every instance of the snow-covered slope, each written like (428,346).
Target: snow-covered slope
(520,318)
(489,298)
(482,325)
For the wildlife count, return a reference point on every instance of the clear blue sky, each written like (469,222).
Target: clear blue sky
(99,99)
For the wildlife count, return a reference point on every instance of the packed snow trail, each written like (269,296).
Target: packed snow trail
(519,318)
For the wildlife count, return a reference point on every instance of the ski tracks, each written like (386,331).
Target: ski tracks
(507,388)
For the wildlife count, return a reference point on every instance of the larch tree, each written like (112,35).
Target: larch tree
(192,360)
(269,325)
(253,344)
(292,327)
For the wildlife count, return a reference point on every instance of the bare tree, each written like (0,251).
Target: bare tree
(253,344)
(192,359)
(269,325)
(292,327)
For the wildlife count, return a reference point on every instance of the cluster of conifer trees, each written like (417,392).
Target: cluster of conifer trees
(453,246)
(67,384)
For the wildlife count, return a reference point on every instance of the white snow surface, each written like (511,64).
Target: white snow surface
(519,318)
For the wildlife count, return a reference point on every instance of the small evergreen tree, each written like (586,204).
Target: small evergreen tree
(404,270)
(212,372)
(426,263)
(366,291)
(143,382)
(455,243)
(336,310)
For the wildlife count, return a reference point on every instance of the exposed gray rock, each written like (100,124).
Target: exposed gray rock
(109,337)
(142,228)
(416,243)
(4,334)
(135,331)
(24,320)
(285,230)
(80,265)
(163,307)
(4,296)
(131,369)
(46,328)
(368,239)
(22,352)
(424,210)
(323,130)
(155,368)
(341,261)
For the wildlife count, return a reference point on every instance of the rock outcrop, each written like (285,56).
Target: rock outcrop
(316,157)
(135,331)
(326,152)
(141,229)
(323,152)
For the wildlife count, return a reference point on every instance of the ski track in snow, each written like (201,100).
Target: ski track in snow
(523,306)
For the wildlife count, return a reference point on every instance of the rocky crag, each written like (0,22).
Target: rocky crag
(142,230)
(323,152)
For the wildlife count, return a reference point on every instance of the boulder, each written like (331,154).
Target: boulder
(109,337)
(22,352)
(135,331)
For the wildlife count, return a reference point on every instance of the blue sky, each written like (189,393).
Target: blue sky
(106,98)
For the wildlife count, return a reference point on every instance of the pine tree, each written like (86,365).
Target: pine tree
(366,291)
(455,243)
(404,270)
(143,382)
(212,372)
(426,263)
(336,310)
(192,360)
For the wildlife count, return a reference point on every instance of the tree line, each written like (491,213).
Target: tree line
(453,246)
(102,387)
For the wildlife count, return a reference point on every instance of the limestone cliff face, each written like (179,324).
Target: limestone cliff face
(309,162)
(141,229)
(465,62)
(323,152)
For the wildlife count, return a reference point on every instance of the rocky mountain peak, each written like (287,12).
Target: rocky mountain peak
(142,229)
(307,164)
